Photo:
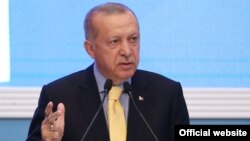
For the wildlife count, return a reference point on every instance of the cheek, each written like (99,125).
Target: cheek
(136,53)
(110,59)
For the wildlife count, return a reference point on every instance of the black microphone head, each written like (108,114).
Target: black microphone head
(108,84)
(127,87)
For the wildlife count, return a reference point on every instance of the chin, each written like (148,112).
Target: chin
(127,75)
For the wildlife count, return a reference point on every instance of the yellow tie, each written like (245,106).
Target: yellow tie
(116,117)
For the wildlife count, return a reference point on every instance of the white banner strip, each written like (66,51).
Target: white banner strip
(4,41)
(225,103)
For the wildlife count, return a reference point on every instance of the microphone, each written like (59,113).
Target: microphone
(107,87)
(128,89)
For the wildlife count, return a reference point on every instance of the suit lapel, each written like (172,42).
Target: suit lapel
(89,102)
(136,125)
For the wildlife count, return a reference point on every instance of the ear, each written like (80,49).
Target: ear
(89,48)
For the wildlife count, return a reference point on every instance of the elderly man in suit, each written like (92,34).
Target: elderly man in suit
(67,105)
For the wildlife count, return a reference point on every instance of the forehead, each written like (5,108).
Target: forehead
(102,21)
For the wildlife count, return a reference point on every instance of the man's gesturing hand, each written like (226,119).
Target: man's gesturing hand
(53,123)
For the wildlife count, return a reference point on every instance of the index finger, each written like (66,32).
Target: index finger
(48,109)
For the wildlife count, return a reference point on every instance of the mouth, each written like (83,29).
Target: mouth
(127,65)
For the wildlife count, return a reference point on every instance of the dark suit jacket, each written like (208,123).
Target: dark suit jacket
(163,107)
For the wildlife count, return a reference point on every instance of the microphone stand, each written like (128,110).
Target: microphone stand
(128,90)
(107,87)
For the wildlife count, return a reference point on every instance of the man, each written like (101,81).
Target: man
(67,106)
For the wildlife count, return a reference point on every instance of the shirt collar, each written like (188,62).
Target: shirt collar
(100,79)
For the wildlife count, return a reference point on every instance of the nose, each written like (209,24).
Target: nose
(125,49)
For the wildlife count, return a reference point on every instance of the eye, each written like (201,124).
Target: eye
(113,43)
(134,39)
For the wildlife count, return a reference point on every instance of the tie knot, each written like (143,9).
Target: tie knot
(115,93)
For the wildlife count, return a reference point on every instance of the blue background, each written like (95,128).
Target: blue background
(199,43)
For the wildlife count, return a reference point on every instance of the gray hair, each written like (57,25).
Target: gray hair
(106,8)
